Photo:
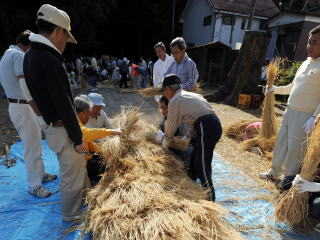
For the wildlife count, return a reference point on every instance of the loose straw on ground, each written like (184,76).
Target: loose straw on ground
(236,130)
(151,91)
(145,193)
(292,207)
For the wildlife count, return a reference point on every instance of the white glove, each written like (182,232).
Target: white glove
(309,125)
(159,136)
(267,90)
(303,185)
(165,144)
(296,179)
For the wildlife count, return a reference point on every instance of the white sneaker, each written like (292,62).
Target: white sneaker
(39,191)
(270,175)
(72,219)
(49,177)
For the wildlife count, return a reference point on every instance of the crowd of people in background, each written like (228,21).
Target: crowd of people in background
(122,72)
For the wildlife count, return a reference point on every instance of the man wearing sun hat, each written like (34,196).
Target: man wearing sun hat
(98,118)
(48,84)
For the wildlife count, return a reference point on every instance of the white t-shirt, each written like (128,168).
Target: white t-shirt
(159,69)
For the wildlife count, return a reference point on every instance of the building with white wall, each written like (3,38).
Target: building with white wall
(206,21)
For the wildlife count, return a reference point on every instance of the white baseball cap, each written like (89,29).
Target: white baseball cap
(96,99)
(57,17)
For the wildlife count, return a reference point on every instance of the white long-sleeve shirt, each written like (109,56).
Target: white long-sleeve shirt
(160,68)
(305,89)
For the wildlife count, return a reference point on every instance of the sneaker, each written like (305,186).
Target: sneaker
(39,191)
(49,177)
(268,175)
(286,183)
(72,219)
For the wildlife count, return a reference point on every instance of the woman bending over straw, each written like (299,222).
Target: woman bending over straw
(94,161)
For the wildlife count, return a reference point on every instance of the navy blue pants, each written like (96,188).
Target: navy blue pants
(314,202)
(208,131)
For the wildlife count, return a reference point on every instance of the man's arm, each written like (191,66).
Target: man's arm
(192,76)
(18,70)
(283,90)
(62,103)
(27,95)
(173,121)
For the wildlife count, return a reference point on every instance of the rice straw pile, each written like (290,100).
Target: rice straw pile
(151,91)
(236,130)
(145,193)
(292,207)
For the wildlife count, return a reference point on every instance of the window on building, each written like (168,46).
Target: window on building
(263,24)
(207,20)
(228,20)
(243,23)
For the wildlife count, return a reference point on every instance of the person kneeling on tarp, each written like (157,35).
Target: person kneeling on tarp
(314,200)
(204,126)
(95,166)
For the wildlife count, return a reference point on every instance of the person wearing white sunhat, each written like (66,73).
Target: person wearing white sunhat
(48,83)
(98,118)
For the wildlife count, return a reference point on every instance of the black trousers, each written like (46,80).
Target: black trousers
(123,80)
(208,131)
(95,168)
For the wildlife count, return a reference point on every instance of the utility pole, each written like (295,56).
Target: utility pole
(252,10)
(173,17)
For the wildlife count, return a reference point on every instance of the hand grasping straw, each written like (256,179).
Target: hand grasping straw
(292,207)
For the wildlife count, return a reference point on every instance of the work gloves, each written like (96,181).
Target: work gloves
(159,136)
(303,185)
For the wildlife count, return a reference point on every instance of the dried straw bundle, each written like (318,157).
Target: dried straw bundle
(269,127)
(146,194)
(179,143)
(150,91)
(266,145)
(267,136)
(236,130)
(292,207)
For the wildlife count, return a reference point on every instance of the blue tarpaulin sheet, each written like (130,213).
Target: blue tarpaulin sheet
(25,217)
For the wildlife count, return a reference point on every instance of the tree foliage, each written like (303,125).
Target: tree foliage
(117,27)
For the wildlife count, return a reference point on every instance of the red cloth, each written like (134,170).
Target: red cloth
(134,72)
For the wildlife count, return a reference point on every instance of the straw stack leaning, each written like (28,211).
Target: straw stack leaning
(292,207)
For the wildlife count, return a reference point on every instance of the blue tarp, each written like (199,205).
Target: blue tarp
(25,217)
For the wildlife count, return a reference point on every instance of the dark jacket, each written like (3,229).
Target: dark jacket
(49,86)
(124,68)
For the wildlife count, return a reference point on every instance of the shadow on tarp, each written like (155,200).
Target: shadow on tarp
(25,217)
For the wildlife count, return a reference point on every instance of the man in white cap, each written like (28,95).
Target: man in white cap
(98,118)
(48,84)
(23,113)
